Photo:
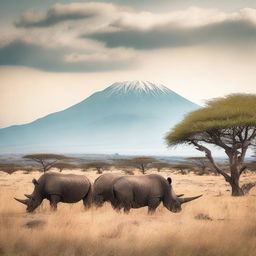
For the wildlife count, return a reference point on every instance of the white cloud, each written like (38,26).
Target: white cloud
(107,32)
(188,18)
(191,17)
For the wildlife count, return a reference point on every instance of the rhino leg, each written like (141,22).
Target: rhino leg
(98,201)
(54,199)
(153,204)
(123,197)
(88,199)
(115,204)
(127,209)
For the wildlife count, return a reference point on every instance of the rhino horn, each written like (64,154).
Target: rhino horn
(28,196)
(188,199)
(23,201)
(180,195)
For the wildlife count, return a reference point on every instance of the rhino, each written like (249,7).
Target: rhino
(58,187)
(103,191)
(102,188)
(147,190)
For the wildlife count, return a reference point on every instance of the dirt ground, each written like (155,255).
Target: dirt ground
(216,224)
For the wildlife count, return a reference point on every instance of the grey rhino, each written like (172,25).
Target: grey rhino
(58,187)
(147,190)
(102,188)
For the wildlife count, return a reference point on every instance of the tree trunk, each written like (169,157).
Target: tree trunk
(234,181)
(236,190)
(143,169)
(99,171)
(235,163)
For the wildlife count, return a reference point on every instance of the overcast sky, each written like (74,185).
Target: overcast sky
(55,54)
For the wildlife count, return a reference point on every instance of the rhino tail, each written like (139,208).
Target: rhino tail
(87,200)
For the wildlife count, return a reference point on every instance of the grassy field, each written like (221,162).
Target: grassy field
(215,224)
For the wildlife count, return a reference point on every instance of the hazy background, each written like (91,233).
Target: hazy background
(54,54)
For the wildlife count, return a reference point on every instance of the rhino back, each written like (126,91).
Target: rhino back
(140,189)
(70,187)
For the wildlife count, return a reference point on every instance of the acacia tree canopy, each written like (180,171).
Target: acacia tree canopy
(46,160)
(221,117)
(141,162)
(229,123)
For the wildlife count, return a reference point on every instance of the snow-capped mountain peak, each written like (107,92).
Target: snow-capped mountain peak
(128,118)
(137,87)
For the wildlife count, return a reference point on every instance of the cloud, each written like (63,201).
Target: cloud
(193,26)
(105,36)
(66,12)
(20,53)
(228,33)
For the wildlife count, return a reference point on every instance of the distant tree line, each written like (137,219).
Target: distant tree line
(46,162)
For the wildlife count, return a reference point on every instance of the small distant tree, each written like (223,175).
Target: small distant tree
(200,162)
(9,168)
(128,171)
(161,165)
(142,163)
(46,161)
(123,165)
(62,166)
(100,166)
(228,123)
(183,168)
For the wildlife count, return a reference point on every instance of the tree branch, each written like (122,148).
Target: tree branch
(48,166)
(242,170)
(208,154)
(247,187)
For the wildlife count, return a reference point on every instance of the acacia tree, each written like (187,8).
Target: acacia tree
(142,162)
(46,161)
(98,165)
(182,167)
(200,162)
(228,123)
(9,168)
(160,165)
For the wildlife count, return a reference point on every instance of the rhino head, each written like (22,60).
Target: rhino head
(176,201)
(33,200)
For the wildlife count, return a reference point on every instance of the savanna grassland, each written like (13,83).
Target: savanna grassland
(216,224)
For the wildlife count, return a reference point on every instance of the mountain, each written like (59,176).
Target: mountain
(127,117)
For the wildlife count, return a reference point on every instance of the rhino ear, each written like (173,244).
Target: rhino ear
(35,182)
(169,180)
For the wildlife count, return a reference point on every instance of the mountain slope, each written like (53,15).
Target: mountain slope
(128,117)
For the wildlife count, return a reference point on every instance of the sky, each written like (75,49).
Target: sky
(54,54)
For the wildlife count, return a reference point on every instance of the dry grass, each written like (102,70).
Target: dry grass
(73,231)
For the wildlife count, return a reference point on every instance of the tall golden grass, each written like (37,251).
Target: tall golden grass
(72,231)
